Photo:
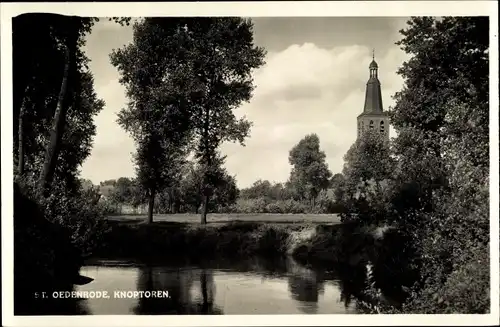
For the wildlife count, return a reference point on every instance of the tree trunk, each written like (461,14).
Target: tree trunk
(20,134)
(151,205)
(177,206)
(204,209)
(173,203)
(53,147)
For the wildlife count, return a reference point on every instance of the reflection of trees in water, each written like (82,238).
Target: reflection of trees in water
(178,283)
(260,265)
(305,286)
(351,281)
(207,286)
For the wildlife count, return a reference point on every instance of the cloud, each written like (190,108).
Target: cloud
(338,77)
(302,89)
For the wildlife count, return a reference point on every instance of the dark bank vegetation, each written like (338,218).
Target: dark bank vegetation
(56,222)
(415,210)
(431,182)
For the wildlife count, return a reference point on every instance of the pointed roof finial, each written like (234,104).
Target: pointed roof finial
(373,64)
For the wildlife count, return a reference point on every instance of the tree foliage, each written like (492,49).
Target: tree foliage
(222,57)
(265,189)
(38,64)
(157,116)
(184,77)
(123,190)
(439,181)
(364,186)
(310,173)
(223,185)
(54,104)
(452,125)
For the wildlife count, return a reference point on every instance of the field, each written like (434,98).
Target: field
(224,218)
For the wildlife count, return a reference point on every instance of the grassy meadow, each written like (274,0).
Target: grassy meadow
(236,217)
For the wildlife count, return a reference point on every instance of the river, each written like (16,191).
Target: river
(248,287)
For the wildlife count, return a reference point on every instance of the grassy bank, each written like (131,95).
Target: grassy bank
(310,243)
(180,240)
(234,217)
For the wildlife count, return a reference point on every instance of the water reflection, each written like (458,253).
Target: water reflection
(254,286)
(305,287)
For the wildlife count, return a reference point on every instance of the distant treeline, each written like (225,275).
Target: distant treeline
(310,189)
(262,197)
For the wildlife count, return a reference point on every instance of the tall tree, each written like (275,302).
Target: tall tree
(449,64)
(441,116)
(310,173)
(158,113)
(39,60)
(199,70)
(54,96)
(222,56)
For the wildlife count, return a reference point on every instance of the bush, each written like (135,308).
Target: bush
(465,289)
(81,214)
(292,206)
(261,205)
(274,207)
(251,205)
(109,208)
(44,257)
(326,203)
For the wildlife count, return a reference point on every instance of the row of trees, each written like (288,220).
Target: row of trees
(432,180)
(183,195)
(184,77)
(305,191)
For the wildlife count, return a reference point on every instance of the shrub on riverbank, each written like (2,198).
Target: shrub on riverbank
(50,237)
(44,257)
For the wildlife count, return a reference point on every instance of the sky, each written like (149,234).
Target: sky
(313,81)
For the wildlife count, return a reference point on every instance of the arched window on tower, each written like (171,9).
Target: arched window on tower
(362,126)
(371,124)
(382,127)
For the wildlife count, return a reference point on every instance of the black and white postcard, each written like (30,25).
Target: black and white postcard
(252,163)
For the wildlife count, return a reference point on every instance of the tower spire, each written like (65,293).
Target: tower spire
(373,97)
(373,116)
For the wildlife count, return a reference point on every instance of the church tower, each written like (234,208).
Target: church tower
(373,116)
